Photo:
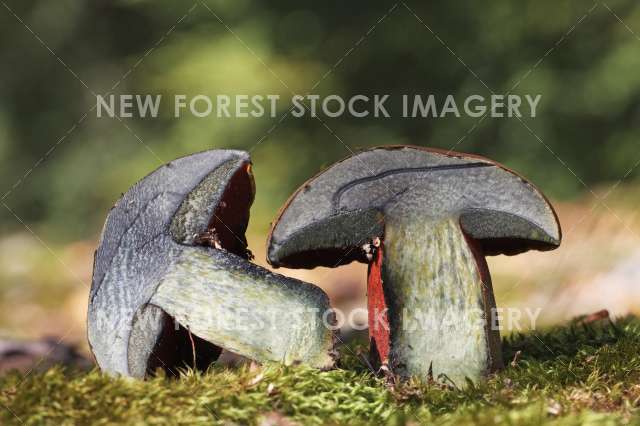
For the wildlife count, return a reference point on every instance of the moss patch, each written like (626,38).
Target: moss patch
(577,374)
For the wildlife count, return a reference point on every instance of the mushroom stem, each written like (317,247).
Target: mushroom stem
(247,309)
(438,292)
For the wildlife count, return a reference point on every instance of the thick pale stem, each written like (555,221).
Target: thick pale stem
(247,309)
(440,299)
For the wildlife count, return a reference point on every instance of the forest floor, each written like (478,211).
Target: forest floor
(580,373)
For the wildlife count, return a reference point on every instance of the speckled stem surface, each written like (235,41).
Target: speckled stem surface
(247,309)
(439,306)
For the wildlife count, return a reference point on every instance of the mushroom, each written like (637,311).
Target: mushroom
(172,283)
(423,220)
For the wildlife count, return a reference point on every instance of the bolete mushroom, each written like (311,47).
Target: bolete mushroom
(423,220)
(172,283)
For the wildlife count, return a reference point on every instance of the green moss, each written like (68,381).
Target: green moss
(567,375)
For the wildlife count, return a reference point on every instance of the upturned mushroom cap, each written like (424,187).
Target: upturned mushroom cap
(172,261)
(137,250)
(334,213)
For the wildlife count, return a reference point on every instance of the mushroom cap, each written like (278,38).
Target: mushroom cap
(145,233)
(334,213)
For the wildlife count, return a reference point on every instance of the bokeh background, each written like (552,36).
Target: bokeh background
(62,168)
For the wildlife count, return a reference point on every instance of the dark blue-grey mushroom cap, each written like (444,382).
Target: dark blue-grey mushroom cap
(149,227)
(329,217)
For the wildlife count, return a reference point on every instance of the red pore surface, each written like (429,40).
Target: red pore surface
(378,314)
(232,214)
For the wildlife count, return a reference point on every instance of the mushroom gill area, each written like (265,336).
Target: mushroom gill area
(512,246)
(228,224)
(176,347)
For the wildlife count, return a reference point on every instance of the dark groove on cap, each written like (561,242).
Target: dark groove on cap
(338,195)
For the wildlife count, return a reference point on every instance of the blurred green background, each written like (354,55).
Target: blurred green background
(62,168)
